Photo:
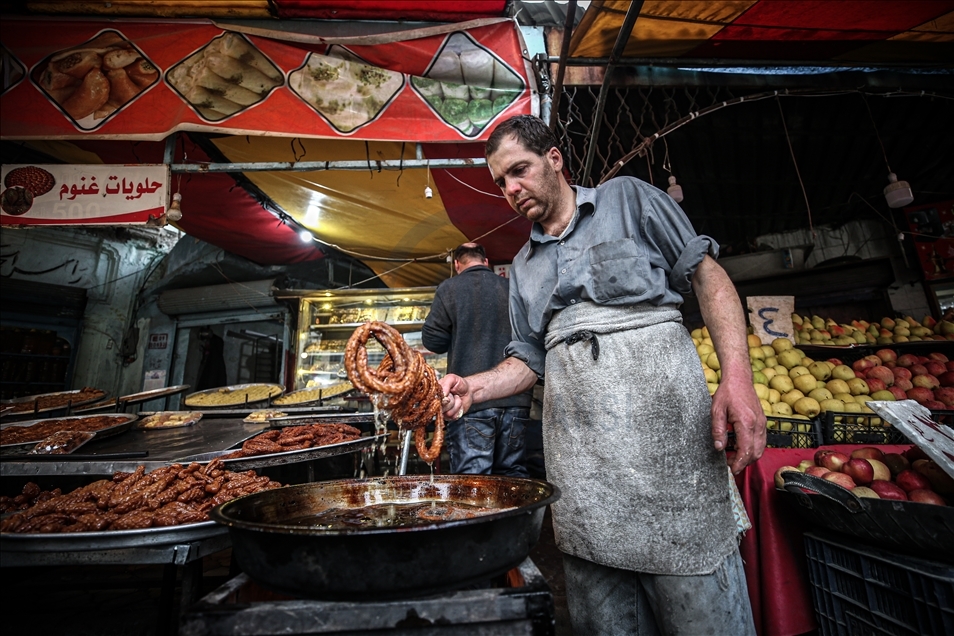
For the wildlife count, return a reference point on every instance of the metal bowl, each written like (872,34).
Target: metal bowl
(274,548)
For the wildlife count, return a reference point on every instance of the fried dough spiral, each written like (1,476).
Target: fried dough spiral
(403,384)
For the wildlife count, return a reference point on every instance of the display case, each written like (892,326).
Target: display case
(327,319)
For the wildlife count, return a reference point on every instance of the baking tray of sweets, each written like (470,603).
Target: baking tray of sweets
(123,421)
(312,395)
(134,398)
(109,539)
(235,395)
(287,457)
(47,402)
(246,411)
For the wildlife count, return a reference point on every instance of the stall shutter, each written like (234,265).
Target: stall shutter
(212,298)
(42,299)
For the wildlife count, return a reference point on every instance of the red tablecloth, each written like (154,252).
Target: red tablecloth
(773,551)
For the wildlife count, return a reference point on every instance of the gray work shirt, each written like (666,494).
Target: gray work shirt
(627,243)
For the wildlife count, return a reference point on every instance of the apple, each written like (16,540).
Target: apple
(927,497)
(897,392)
(946,379)
(864,491)
(915,453)
(860,471)
(910,480)
(950,365)
(920,394)
(907,359)
(886,355)
(881,470)
(875,384)
(927,380)
(934,405)
(843,480)
(867,452)
(901,372)
(817,471)
(896,462)
(917,369)
(833,461)
(937,355)
(941,482)
(935,368)
(903,383)
(863,364)
(888,490)
(881,373)
(779,482)
(835,362)
(807,463)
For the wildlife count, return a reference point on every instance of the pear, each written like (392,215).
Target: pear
(781,344)
(820,395)
(781,383)
(820,370)
(805,383)
(789,358)
(781,408)
(793,396)
(807,406)
(837,386)
(843,372)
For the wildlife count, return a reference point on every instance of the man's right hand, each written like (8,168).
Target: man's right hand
(457,396)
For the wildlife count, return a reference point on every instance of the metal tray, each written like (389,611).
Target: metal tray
(33,398)
(320,394)
(319,418)
(109,539)
(243,412)
(194,416)
(274,391)
(289,457)
(135,398)
(116,429)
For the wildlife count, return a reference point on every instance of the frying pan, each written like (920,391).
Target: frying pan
(379,562)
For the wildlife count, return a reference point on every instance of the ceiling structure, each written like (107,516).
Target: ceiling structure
(851,77)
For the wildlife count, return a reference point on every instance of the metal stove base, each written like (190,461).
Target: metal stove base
(520,605)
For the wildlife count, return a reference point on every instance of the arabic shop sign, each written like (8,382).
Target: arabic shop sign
(83,194)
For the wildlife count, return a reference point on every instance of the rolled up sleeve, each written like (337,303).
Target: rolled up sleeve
(680,278)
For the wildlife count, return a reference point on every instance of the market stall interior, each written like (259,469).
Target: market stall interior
(219,195)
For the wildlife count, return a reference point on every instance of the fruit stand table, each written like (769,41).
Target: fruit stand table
(773,551)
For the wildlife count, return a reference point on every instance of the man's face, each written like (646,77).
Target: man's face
(530,183)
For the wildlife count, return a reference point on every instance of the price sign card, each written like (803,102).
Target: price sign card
(771,317)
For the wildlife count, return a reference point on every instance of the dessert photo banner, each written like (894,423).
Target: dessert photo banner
(144,79)
(64,194)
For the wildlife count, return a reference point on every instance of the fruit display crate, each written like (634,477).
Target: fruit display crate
(858,589)
(787,432)
(855,428)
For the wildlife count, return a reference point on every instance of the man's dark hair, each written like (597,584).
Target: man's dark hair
(530,131)
(469,251)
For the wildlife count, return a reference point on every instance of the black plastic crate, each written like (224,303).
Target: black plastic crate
(858,589)
(803,433)
(858,428)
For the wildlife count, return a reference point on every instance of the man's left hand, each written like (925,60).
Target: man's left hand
(740,407)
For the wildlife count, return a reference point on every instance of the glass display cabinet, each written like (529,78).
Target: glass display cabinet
(326,320)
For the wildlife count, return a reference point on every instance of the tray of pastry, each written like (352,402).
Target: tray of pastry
(13,434)
(313,394)
(134,398)
(286,457)
(233,395)
(169,419)
(46,402)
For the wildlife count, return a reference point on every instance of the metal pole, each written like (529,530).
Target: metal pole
(631,14)
(561,67)
(405,451)
(317,166)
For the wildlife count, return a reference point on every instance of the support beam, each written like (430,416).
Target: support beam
(621,39)
(319,166)
(561,63)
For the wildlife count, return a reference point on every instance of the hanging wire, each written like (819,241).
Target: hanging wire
(878,136)
(799,174)
(467,185)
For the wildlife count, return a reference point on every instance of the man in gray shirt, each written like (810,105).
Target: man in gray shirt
(631,436)
(469,320)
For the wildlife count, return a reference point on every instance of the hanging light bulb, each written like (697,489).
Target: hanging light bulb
(674,189)
(428,193)
(897,193)
(174,213)
(305,236)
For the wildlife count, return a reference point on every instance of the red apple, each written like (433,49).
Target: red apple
(935,405)
(817,471)
(915,453)
(922,360)
(944,394)
(950,365)
(896,462)
(897,392)
(935,368)
(901,372)
(920,394)
(834,461)
(927,497)
(779,482)
(867,452)
(862,365)
(907,359)
(843,480)
(874,384)
(946,378)
(881,373)
(903,383)
(835,361)
(941,482)
(917,369)
(881,470)
(890,364)
(910,480)
(927,380)
(937,355)
(860,471)
(888,490)
(886,355)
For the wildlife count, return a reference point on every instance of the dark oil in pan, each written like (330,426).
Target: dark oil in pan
(391,515)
